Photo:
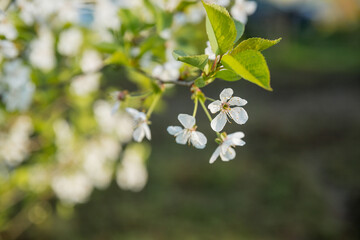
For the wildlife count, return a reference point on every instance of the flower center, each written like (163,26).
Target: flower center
(225,107)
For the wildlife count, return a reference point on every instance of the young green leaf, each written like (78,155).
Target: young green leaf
(250,65)
(200,82)
(227,75)
(198,61)
(240,28)
(258,44)
(220,28)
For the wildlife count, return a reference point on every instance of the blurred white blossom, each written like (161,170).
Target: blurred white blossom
(169,71)
(85,84)
(7,29)
(14,145)
(242,9)
(223,3)
(140,123)
(99,158)
(91,61)
(70,42)
(17,88)
(72,187)
(8,49)
(167,5)
(105,15)
(209,52)
(132,173)
(118,123)
(42,50)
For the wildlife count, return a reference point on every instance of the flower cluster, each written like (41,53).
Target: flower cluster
(188,134)
(62,129)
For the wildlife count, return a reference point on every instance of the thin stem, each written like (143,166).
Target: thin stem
(205,110)
(138,95)
(177,82)
(213,100)
(196,106)
(153,105)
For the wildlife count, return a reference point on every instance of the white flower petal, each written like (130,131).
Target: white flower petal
(186,120)
(218,123)
(238,135)
(147,131)
(236,101)
(215,106)
(228,155)
(139,134)
(115,108)
(226,94)
(133,112)
(215,155)
(239,115)
(173,130)
(250,7)
(235,139)
(198,139)
(183,137)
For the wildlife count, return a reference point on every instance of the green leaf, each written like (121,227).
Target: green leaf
(220,28)
(250,65)
(211,35)
(118,57)
(240,28)
(106,47)
(198,61)
(227,75)
(258,44)
(200,82)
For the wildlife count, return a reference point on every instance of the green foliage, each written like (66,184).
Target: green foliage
(200,82)
(240,28)
(220,28)
(258,44)
(227,75)
(250,65)
(198,61)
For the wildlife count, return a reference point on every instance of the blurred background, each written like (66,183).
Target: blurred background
(297,177)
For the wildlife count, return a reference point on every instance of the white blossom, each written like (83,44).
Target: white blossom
(226,150)
(238,114)
(18,88)
(31,11)
(70,41)
(106,15)
(14,145)
(242,9)
(189,133)
(209,52)
(8,49)
(91,61)
(85,84)
(223,3)
(168,71)
(132,173)
(99,158)
(141,128)
(118,123)
(128,4)
(167,5)
(7,29)
(42,50)
(72,188)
